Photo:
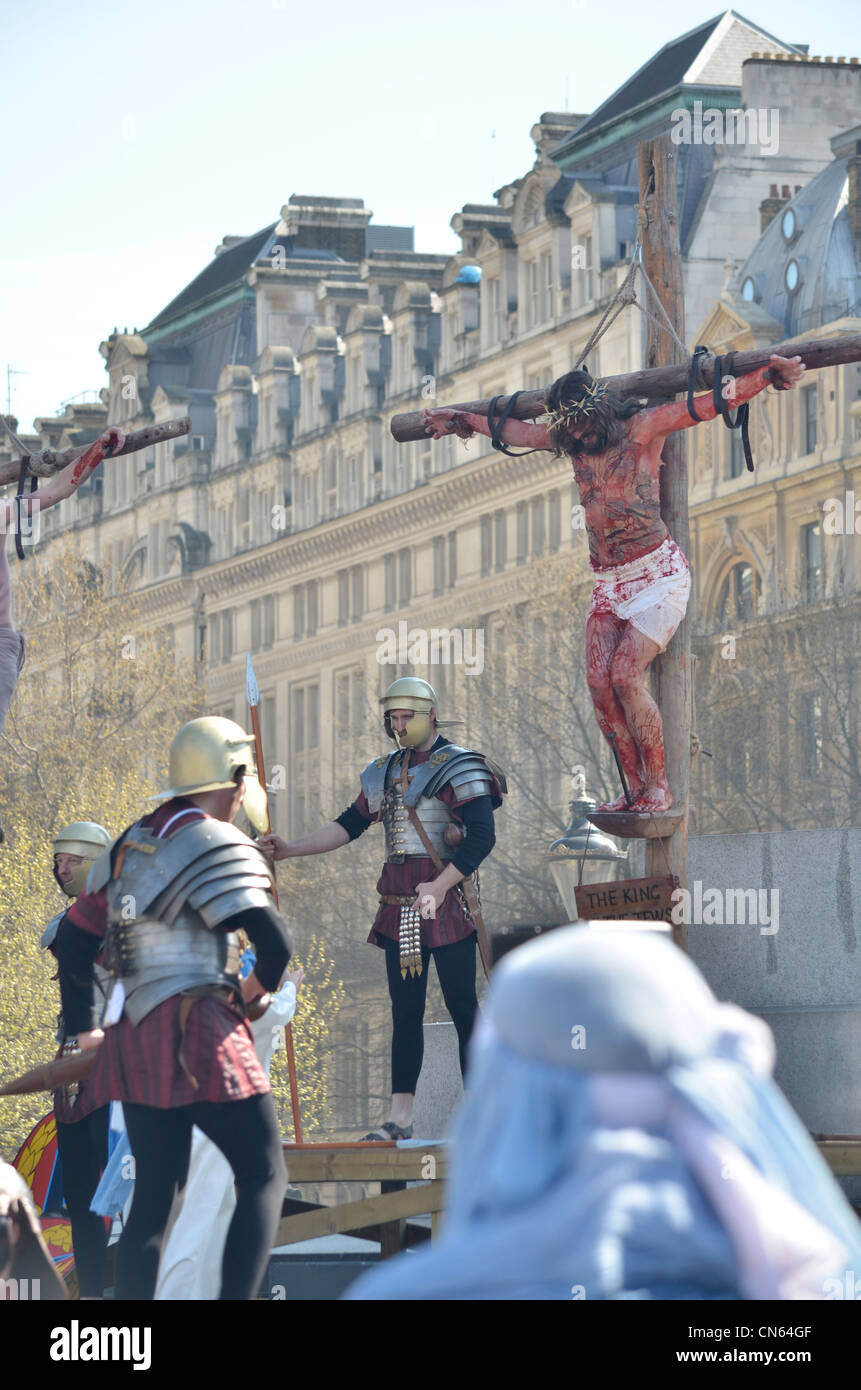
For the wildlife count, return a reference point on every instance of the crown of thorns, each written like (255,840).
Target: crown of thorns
(574,411)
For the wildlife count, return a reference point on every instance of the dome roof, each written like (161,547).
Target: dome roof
(804,270)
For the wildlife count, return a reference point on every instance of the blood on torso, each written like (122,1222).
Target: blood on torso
(620,494)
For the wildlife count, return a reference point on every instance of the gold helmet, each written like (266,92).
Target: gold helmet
(205,757)
(86,839)
(409,692)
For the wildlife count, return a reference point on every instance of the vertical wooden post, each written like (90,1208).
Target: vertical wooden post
(671,672)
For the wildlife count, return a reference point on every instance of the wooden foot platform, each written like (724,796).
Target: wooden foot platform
(638,825)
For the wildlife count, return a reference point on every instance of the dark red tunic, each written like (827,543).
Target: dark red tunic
(140,1064)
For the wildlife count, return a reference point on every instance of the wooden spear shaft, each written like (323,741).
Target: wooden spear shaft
(655,383)
(288,1030)
(47,462)
(671,672)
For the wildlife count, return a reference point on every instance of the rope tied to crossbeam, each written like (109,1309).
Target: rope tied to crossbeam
(625,296)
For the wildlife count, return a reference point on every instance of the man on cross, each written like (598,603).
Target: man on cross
(12,512)
(642,579)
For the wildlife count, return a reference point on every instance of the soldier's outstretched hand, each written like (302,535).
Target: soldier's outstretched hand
(273,847)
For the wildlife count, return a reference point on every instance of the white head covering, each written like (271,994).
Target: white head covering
(622,1137)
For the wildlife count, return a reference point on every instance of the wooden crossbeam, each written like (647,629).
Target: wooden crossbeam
(655,383)
(48,461)
(369,1211)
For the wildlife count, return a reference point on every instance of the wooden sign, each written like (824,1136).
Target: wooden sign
(635,899)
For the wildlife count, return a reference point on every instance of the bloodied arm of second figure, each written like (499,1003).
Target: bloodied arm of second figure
(783,372)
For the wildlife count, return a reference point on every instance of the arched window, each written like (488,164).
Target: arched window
(740,595)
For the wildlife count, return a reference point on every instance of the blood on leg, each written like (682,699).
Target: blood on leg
(604,632)
(633,657)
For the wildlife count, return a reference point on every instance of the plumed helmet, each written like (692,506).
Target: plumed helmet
(409,692)
(205,757)
(86,839)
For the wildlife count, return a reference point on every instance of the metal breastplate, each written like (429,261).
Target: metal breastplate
(165,906)
(402,838)
(155,961)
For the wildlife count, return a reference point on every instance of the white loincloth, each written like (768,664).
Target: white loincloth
(651,593)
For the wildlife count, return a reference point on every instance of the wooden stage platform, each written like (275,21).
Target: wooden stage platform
(384,1217)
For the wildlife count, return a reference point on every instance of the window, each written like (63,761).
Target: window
(343,597)
(212,639)
(546,287)
(312,605)
(351,594)
(500,540)
(255,624)
(357,589)
(497,321)
(352,1079)
(390,582)
(438,565)
(814,736)
(740,595)
(349,712)
(227,635)
(486,543)
(452,559)
(811,558)
(304,725)
(298,615)
(522,532)
(405,573)
(268,621)
(268,728)
(736,455)
(537,526)
(533,294)
(809,399)
(554,519)
(582,285)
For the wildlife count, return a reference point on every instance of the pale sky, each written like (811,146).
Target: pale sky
(136,135)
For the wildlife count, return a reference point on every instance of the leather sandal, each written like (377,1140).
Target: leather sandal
(386,1133)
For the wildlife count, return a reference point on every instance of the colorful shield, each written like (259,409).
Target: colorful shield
(38,1162)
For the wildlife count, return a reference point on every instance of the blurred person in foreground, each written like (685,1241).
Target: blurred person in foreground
(623,1138)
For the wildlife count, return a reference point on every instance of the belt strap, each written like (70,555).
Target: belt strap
(496,426)
(465,888)
(19,498)
(741,419)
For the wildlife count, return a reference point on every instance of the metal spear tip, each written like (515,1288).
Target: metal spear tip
(252,693)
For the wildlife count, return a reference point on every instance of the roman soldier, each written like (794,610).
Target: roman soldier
(81,1117)
(436,802)
(164,907)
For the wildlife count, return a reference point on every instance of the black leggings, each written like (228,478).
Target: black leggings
(455,968)
(83,1149)
(246,1132)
